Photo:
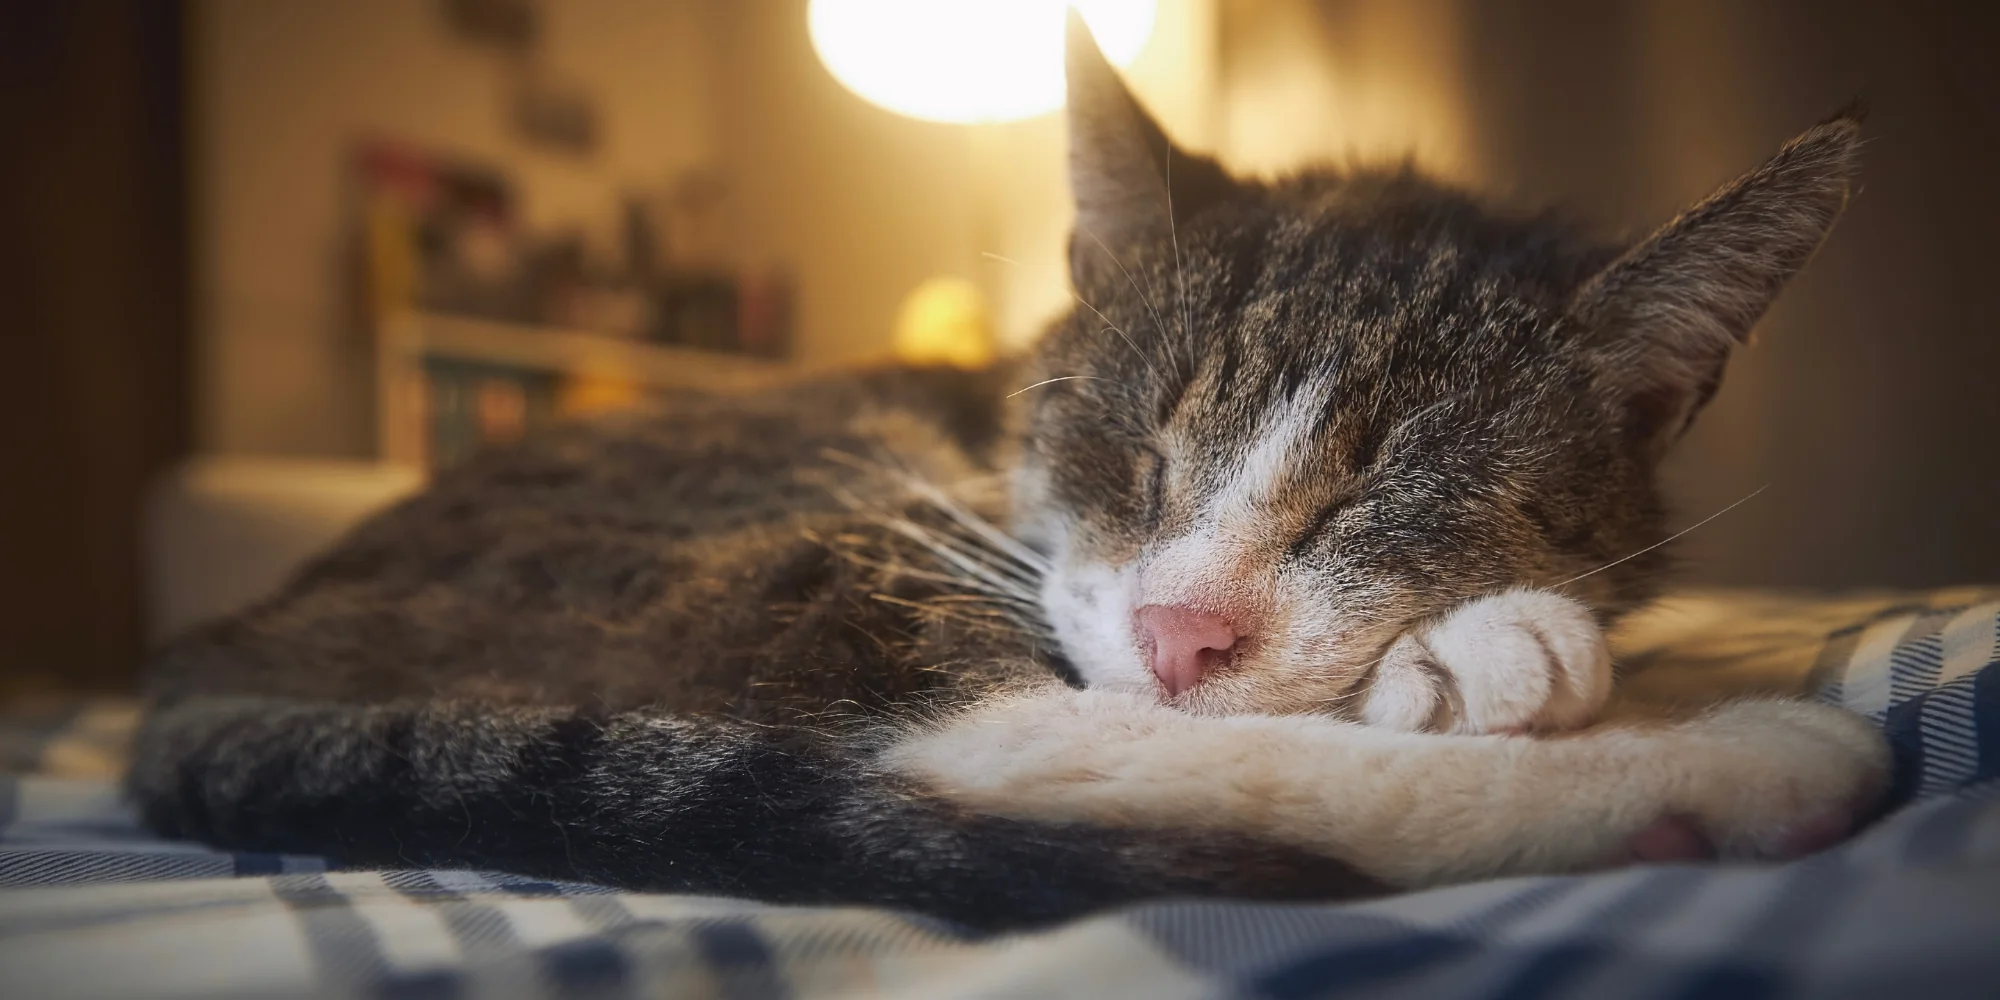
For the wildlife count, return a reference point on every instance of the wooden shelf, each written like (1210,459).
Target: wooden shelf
(405,340)
(575,352)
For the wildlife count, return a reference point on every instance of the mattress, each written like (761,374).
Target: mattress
(1910,907)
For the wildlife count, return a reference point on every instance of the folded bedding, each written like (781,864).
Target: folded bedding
(1910,907)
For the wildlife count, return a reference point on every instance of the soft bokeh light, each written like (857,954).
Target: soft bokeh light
(966,60)
(945,321)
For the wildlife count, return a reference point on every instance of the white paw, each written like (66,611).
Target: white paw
(1522,661)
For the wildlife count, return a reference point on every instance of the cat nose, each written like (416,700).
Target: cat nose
(1185,643)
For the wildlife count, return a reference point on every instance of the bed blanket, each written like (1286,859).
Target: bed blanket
(96,907)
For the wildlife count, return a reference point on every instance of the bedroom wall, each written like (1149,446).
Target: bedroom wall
(281,91)
(1340,82)
(1865,402)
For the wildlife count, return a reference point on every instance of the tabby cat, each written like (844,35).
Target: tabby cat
(1314,509)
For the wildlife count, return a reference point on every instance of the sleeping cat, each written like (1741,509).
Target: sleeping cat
(1313,510)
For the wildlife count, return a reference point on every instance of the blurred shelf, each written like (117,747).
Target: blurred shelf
(408,342)
(574,352)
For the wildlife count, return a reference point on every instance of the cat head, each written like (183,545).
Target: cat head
(1290,420)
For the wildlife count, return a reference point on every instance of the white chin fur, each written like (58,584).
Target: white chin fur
(1090,609)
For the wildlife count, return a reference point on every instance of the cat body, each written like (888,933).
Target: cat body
(660,655)
(1279,571)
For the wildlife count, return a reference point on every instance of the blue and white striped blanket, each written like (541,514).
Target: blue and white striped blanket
(1909,908)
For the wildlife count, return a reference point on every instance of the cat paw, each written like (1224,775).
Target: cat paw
(1521,661)
(1769,780)
(1754,780)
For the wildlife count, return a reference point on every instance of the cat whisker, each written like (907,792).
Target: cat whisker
(937,542)
(986,583)
(998,577)
(1028,576)
(1115,328)
(1663,541)
(988,620)
(1009,600)
(1001,542)
(1051,381)
(1174,234)
(988,254)
(1144,295)
(998,569)
(900,569)
(1099,313)
(1021,618)
(963,559)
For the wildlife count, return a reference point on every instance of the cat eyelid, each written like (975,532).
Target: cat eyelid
(1156,483)
(1321,522)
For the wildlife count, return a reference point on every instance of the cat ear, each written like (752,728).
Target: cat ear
(1672,308)
(1120,161)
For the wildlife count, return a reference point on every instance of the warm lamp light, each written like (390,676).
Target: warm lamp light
(966,60)
(945,321)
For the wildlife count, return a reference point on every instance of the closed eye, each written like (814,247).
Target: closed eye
(1156,486)
(1318,528)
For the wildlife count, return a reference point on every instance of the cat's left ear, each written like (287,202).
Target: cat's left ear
(1670,310)
(1123,170)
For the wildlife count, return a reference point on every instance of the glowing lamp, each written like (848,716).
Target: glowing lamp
(945,321)
(965,60)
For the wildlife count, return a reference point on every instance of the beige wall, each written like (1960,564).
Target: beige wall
(1343,82)
(282,90)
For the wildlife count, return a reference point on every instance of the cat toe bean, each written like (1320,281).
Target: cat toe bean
(1781,779)
(1671,838)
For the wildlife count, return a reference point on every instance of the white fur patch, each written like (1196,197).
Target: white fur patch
(1409,809)
(1089,606)
(1274,450)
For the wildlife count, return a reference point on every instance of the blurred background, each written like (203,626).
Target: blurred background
(265,263)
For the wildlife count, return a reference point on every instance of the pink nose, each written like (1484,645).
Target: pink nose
(1185,643)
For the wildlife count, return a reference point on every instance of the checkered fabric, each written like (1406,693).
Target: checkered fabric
(1910,908)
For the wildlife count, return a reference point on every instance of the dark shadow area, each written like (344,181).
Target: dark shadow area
(94,389)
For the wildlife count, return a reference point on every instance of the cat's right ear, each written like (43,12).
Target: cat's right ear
(1669,312)
(1120,161)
